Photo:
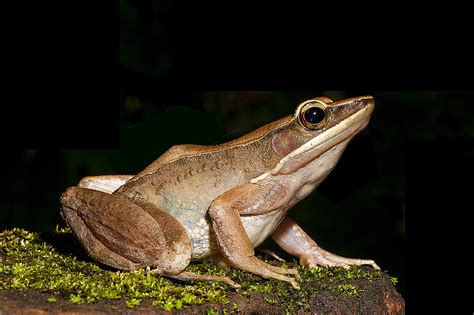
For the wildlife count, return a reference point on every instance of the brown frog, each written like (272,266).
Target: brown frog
(219,202)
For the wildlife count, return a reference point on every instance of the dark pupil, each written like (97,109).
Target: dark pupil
(314,115)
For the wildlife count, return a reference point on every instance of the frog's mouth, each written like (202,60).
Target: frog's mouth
(349,117)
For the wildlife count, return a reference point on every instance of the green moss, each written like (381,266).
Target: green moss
(54,262)
(133,302)
(348,289)
(52,299)
(210,311)
(270,300)
(393,280)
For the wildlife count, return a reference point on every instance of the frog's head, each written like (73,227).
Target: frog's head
(321,114)
(319,126)
(322,123)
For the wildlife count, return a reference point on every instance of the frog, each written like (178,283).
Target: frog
(220,202)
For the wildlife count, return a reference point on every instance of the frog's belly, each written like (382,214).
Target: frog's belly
(258,228)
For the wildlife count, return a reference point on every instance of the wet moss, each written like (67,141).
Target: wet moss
(55,263)
(394,280)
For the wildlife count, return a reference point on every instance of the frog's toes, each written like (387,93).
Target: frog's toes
(312,261)
(373,264)
(358,262)
(283,271)
(270,253)
(295,284)
(281,277)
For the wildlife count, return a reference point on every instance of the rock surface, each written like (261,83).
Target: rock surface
(378,297)
(49,274)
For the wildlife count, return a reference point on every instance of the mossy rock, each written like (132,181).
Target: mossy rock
(50,272)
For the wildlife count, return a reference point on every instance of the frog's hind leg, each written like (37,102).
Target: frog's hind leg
(123,234)
(270,253)
(191,276)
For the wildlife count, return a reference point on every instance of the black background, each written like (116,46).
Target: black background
(400,194)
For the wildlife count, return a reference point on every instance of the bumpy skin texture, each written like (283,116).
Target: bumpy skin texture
(142,234)
(197,202)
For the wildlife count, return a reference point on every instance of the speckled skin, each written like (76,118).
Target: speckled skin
(226,199)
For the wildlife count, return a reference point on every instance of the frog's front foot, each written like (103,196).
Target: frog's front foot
(320,257)
(291,237)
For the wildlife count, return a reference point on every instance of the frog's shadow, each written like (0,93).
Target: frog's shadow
(66,244)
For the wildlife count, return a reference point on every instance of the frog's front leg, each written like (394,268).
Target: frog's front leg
(232,239)
(291,237)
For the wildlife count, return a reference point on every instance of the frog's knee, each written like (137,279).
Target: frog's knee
(215,209)
(174,259)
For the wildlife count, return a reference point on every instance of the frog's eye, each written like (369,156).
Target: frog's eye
(313,115)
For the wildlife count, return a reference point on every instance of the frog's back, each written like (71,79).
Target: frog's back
(187,178)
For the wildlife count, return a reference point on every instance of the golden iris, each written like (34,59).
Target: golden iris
(313,115)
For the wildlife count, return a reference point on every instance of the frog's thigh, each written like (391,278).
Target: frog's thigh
(104,183)
(125,235)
